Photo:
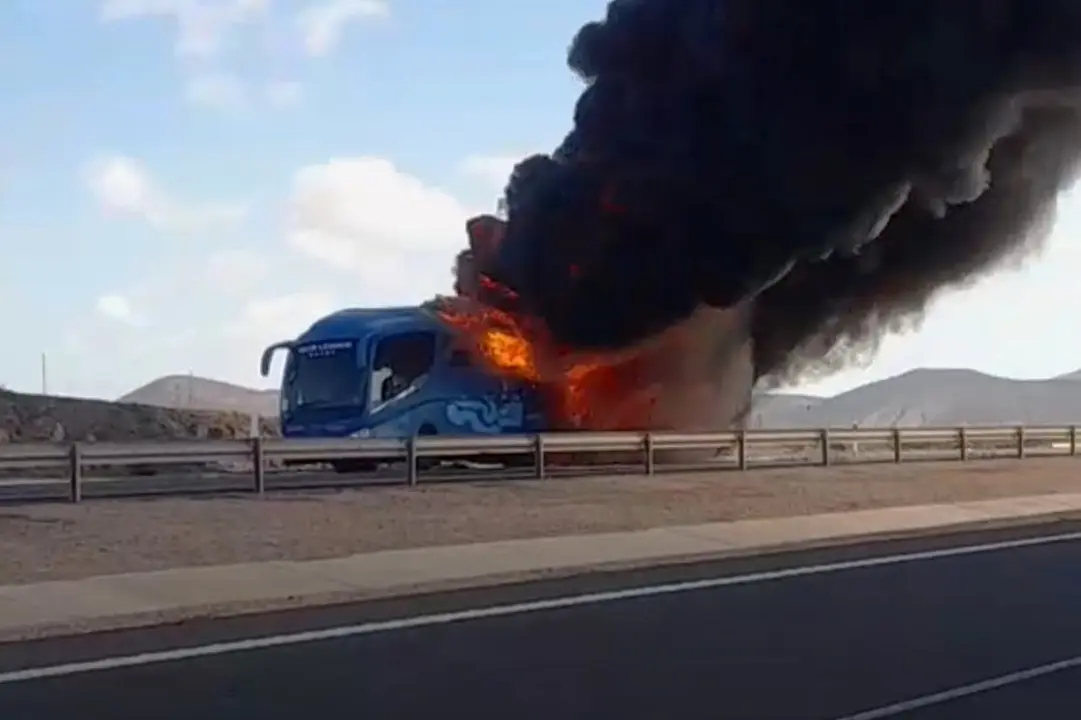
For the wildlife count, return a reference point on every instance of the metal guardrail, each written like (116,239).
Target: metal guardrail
(854,445)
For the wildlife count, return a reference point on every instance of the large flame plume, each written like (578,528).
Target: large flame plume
(754,190)
(667,382)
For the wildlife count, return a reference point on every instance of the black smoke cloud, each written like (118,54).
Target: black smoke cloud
(834,162)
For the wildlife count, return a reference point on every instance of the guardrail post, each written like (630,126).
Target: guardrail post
(1073,440)
(741,449)
(258,463)
(824,439)
(651,460)
(75,474)
(1021,442)
(897,445)
(538,456)
(411,460)
(962,439)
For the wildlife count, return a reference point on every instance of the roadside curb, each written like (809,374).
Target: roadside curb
(180,615)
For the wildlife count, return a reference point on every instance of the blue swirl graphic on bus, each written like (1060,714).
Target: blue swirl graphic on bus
(485,416)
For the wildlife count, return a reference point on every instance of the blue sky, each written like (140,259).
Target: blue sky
(185,181)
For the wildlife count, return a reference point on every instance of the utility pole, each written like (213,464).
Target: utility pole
(44,376)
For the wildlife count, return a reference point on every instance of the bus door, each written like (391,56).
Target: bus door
(483,402)
(512,406)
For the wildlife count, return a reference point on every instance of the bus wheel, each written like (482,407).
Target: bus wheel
(353,466)
(427,463)
(517,461)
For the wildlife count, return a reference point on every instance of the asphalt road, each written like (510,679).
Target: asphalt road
(826,634)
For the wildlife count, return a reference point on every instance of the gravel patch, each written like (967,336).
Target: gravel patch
(48,542)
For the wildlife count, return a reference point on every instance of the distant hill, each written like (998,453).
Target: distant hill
(922,397)
(932,397)
(185,392)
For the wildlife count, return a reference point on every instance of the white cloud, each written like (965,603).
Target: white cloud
(117,307)
(238,269)
(356,232)
(225,42)
(122,186)
(203,324)
(493,170)
(219,91)
(228,93)
(365,215)
(283,93)
(322,24)
(269,319)
(202,25)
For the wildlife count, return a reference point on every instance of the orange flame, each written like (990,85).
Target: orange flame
(590,392)
(599,392)
(669,381)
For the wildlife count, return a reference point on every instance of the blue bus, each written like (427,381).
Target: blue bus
(393,372)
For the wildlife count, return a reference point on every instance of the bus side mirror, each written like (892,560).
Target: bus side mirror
(268,356)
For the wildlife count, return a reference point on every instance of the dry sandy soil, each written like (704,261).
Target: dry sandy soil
(99,537)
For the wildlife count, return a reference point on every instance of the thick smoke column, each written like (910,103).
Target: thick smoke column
(834,162)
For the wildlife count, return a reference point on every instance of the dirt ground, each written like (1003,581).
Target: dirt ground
(45,418)
(100,537)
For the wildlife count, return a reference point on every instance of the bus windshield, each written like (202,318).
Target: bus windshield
(323,375)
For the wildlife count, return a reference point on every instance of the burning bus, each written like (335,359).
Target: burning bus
(666,382)
(460,366)
(393,372)
(749,192)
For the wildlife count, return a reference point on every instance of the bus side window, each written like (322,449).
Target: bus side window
(401,361)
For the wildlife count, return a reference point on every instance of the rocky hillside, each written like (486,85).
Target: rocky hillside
(183,407)
(926,397)
(30,418)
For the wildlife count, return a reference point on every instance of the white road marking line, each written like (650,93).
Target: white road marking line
(906,706)
(261,643)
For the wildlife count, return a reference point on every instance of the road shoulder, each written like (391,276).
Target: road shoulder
(152,598)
